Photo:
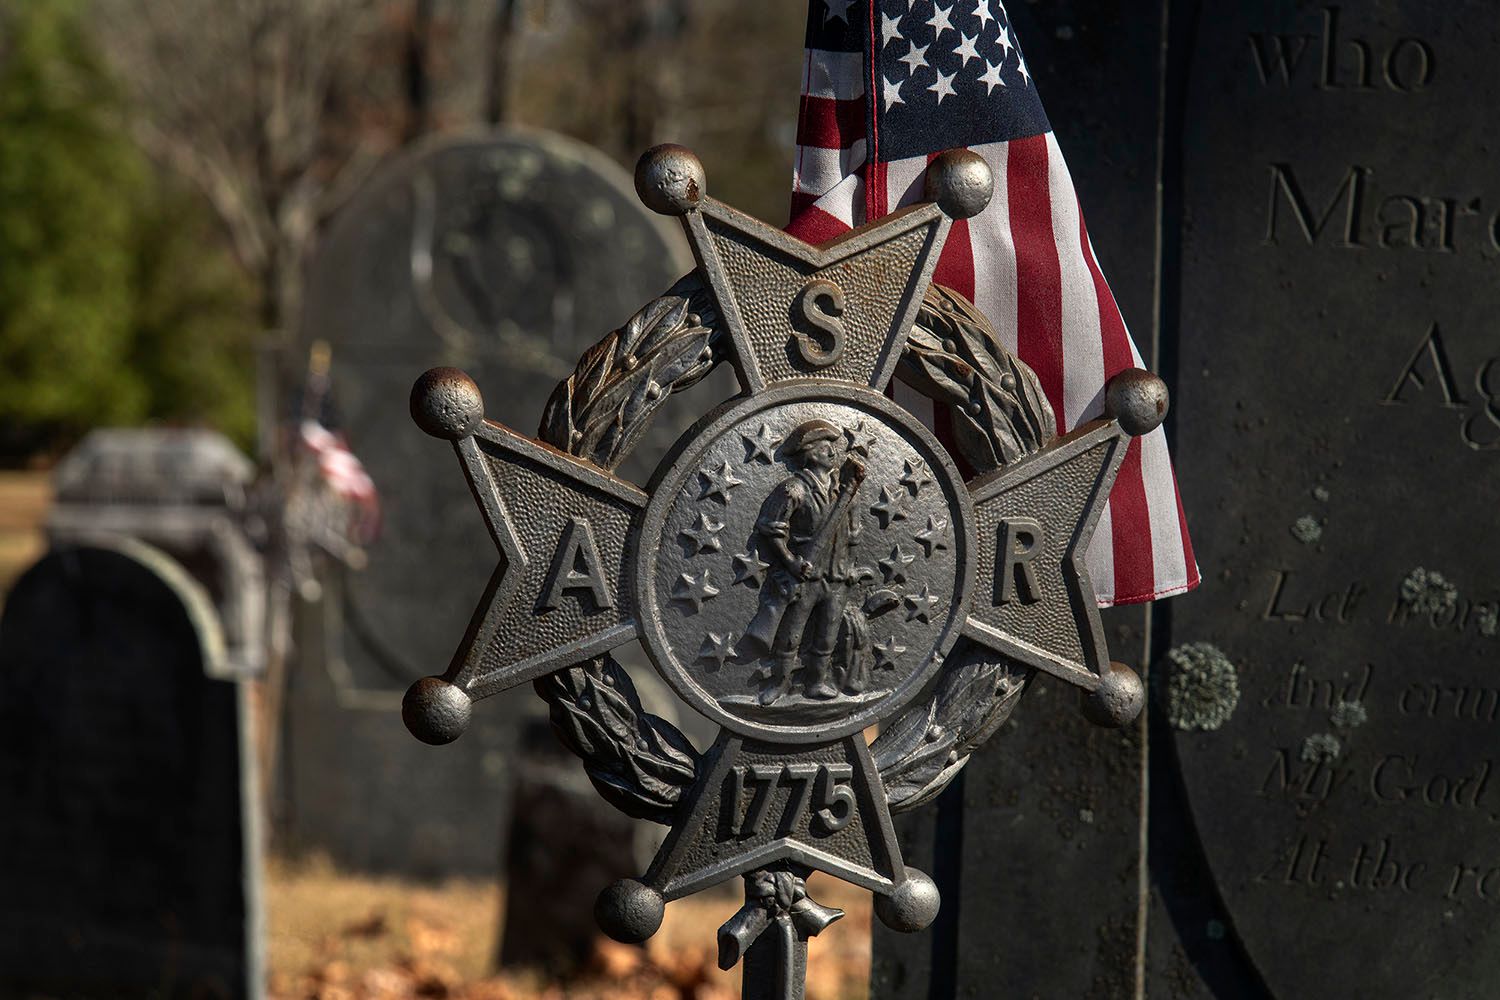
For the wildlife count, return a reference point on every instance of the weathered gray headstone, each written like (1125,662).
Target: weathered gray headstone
(188,492)
(128,846)
(1339,439)
(507,254)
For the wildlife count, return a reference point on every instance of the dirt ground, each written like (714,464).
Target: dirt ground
(24,499)
(334,936)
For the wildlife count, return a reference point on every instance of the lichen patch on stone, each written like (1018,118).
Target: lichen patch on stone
(1203,687)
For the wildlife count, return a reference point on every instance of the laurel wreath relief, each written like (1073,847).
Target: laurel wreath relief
(643,764)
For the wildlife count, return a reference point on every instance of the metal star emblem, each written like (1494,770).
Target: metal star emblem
(916,476)
(704,535)
(717,647)
(693,590)
(761,447)
(588,561)
(893,567)
(919,607)
(890,508)
(749,569)
(934,536)
(860,439)
(886,653)
(717,483)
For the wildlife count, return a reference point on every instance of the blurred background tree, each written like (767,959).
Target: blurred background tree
(112,308)
(166,165)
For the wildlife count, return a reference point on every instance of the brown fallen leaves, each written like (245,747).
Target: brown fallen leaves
(336,936)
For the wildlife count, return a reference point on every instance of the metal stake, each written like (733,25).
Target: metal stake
(770,934)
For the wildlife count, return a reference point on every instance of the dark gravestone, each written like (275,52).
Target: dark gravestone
(126,859)
(507,254)
(1335,428)
(1339,441)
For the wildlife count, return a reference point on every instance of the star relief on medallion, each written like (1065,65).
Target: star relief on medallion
(891,507)
(692,589)
(934,536)
(717,647)
(716,482)
(749,569)
(761,446)
(702,536)
(894,567)
(916,476)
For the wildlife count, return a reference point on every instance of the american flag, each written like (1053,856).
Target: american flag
(344,475)
(887,85)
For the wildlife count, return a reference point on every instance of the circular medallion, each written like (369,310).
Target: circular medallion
(813,566)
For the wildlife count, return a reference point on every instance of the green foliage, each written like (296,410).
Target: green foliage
(116,305)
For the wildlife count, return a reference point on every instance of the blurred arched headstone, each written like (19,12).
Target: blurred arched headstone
(127,851)
(507,254)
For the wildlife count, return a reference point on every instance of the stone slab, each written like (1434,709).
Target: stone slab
(1339,443)
(128,852)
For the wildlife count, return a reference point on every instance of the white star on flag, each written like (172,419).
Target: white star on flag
(982,11)
(891,91)
(1021,67)
(943,85)
(939,21)
(915,58)
(991,78)
(966,50)
(1004,41)
(890,28)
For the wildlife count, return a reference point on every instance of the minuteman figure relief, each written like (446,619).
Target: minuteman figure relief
(807,528)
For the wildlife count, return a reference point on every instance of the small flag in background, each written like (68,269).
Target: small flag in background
(887,85)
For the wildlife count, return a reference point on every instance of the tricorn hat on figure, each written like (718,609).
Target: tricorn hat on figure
(809,433)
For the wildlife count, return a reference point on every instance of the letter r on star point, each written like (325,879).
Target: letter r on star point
(1041,587)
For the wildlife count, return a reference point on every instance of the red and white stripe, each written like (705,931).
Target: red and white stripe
(1026,261)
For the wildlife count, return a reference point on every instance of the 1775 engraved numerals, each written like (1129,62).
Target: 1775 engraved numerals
(824,789)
